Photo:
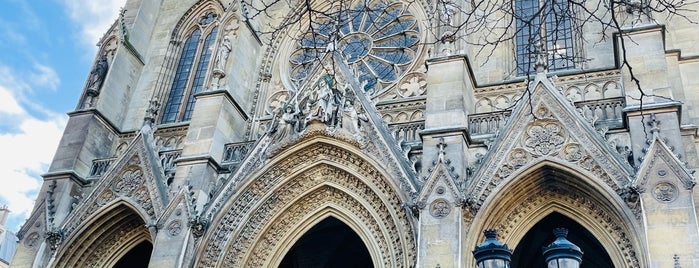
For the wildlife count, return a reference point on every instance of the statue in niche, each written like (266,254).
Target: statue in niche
(95,81)
(96,78)
(223,51)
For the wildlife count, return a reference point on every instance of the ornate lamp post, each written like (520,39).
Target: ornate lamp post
(562,253)
(492,253)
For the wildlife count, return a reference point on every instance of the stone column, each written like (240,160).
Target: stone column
(449,101)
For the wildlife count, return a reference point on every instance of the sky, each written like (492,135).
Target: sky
(47,49)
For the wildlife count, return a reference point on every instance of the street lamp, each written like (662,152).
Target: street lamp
(492,253)
(562,253)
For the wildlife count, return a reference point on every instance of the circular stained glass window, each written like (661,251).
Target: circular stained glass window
(377,39)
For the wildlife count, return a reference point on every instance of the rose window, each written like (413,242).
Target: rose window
(377,40)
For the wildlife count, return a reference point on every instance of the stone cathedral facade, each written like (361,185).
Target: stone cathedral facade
(371,141)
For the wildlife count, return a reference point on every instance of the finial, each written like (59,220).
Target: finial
(654,125)
(441,145)
(541,64)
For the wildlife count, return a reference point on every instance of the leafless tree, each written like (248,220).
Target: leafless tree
(484,25)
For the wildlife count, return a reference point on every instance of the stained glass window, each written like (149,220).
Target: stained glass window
(188,81)
(179,85)
(379,40)
(200,74)
(555,31)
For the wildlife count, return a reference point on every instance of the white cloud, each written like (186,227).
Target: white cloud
(93,17)
(27,147)
(9,103)
(26,154)
(45,77)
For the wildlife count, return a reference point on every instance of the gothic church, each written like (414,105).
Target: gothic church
(207,137)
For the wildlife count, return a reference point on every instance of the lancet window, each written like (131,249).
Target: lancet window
(191,70)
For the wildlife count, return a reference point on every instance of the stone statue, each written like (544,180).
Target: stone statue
(350,118)
(223,51)
(324,102)
(284,126)
(96,78)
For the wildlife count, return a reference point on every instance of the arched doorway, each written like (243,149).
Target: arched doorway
(330,243)
(117,237)
(295,191)
(137,257)
(551,194)
(529,254)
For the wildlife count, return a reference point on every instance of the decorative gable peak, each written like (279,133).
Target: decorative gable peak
(661,164)
(441,183)
(545,126)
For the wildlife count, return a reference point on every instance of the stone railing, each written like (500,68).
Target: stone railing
(604,112)
(100,166)
(407,132)
(234,153)
(591,86)
(487,123)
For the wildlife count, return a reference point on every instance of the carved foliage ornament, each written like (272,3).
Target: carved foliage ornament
(250,201)
(580,202)
(440,208)
(665,192)
(543,138)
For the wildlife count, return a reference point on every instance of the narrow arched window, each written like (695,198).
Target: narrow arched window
(191,71)
(548,22)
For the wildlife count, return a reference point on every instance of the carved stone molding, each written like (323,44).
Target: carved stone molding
(232,235)
(440,208)
(546,136)
(131,180)
(107,238)
(174,228)
(585,206)
(543,138)
(665,192)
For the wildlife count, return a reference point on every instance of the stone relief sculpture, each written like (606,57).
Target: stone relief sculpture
(222,54)
(350,119)
(322,102)
(284,126)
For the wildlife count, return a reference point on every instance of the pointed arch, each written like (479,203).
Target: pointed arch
(529,251)
(551,187)
(194,38)
(291,232)
(295,189)
(106,237)
(340,245)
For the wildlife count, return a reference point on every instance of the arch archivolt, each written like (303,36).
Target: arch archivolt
(309,221)
(274,209)
(545,190)
(189,21)
(107,237)
(270,246)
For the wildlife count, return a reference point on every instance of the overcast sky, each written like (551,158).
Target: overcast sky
(46,51)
